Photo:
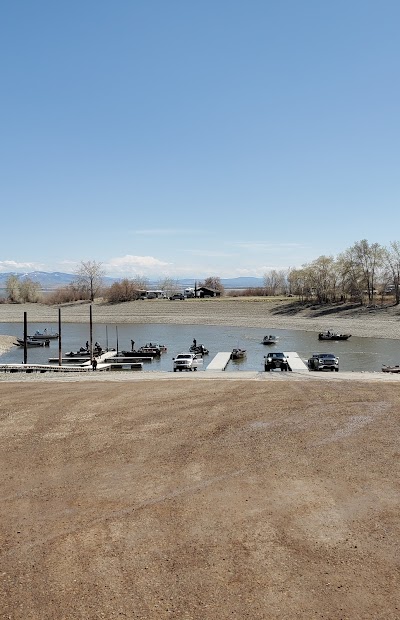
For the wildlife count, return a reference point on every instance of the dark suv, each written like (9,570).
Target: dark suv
(177,296)
(276,360)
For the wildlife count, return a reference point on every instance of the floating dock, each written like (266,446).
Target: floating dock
(220,361)
(29,368)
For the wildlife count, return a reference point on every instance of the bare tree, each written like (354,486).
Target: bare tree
(363,261)
(13,289)
(29,290)
(169,286)
(22,289)
(89,277)
(274,282)
(392,263)
(323,278)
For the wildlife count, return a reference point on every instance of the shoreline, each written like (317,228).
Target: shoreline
(232,312)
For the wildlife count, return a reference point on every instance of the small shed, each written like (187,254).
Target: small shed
(204,291)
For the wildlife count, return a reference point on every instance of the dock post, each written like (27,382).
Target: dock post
(59,338)
(25,338)
(91,333)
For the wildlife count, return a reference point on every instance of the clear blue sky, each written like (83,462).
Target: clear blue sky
(183,138)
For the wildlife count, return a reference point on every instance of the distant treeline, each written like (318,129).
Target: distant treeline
(362,273)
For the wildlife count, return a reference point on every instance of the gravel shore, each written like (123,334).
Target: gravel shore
(207,497)
(235,312)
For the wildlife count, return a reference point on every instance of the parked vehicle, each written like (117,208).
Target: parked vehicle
(323,361)
(329,335)
(177,296)
(185,361)
(276,360)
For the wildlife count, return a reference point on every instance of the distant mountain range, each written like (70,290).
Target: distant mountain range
(55,279)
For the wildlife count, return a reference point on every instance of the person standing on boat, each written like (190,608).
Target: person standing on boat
(132,345)
(194,342)
(94,364)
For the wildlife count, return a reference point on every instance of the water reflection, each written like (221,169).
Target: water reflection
(358,354)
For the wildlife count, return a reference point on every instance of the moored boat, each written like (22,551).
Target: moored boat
(394,369)
(329,335)
(44,335)
(140,354)
(31,343)
(155,345)
(151,348)
(81,353)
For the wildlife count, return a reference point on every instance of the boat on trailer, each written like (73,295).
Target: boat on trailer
(238,354)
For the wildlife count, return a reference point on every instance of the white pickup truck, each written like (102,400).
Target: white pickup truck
(185,361)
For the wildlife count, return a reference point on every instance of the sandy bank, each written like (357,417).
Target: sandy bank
(233,312)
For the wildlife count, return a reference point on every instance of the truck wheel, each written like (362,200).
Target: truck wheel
(266,369)
(195,369)
(174,369)
(336,369)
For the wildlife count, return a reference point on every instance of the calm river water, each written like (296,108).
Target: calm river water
(357,354)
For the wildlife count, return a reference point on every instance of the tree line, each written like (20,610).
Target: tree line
(361,273)
(89,284)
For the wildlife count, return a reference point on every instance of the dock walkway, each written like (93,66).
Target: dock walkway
(295,362)
(220,361)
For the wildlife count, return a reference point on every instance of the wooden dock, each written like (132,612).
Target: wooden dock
(220,361)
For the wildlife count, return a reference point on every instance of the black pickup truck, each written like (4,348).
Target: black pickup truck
(276,360)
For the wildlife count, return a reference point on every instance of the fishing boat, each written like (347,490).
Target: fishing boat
(139,354)
(155,345)
(238,354)
(151,348)
(31,343)
(81,353)
(199,349)
(44,335)
(271,339)
(329,335)
(394,369)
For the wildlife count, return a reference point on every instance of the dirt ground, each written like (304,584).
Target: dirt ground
(200,500)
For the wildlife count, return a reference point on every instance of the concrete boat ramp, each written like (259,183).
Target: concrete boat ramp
(221,361)
(110,360)
(295,362)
